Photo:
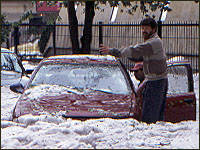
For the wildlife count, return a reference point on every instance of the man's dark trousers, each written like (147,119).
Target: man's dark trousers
(154,97)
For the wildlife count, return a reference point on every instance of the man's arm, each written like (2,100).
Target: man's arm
(140,88)
(144,49)
(115,52)
(136,59)
(133,52)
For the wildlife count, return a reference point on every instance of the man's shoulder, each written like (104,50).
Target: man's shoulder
(154,40)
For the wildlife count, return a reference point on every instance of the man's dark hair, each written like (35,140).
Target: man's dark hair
(149,22)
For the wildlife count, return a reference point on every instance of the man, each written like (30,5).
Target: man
(154,66)
(138,72)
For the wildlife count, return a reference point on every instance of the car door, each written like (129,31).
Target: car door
(181,100)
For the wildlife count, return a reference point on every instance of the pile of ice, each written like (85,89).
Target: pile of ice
(47,90)
(48,132)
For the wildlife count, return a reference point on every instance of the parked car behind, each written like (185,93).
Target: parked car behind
(30,49)
(96,86)
(12,70)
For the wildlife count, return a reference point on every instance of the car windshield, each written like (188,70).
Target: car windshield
(9,62)
(84,78)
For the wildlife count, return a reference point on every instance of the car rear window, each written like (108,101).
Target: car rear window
(85,77)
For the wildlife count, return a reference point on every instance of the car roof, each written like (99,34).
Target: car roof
(5,50)
(186,62)
(98,58)
(82,57)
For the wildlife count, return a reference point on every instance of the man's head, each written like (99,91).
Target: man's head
(149,26)
(138,71)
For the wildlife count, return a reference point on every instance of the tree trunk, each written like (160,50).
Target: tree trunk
(73,27)
(86,39)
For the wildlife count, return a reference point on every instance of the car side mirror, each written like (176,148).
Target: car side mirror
(17,88)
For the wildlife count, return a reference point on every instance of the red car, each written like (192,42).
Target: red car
(96,86)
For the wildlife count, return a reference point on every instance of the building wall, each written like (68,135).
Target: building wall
(99,14)
(184,10)
(15,9)
(181,10)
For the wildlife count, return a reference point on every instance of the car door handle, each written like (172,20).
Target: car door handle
(188,100)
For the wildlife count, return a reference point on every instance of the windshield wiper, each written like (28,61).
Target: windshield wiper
(73,90)
(103,91)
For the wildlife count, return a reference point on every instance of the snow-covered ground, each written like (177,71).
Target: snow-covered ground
(54,132)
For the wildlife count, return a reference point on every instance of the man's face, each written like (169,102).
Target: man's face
(147,31)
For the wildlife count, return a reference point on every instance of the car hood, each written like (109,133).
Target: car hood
(74,105)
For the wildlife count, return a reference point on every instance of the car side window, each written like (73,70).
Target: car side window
(178,79)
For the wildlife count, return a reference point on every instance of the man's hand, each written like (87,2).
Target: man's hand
(103,49)
(141,88)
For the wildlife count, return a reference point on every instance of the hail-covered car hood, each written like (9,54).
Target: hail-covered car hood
(58,100)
